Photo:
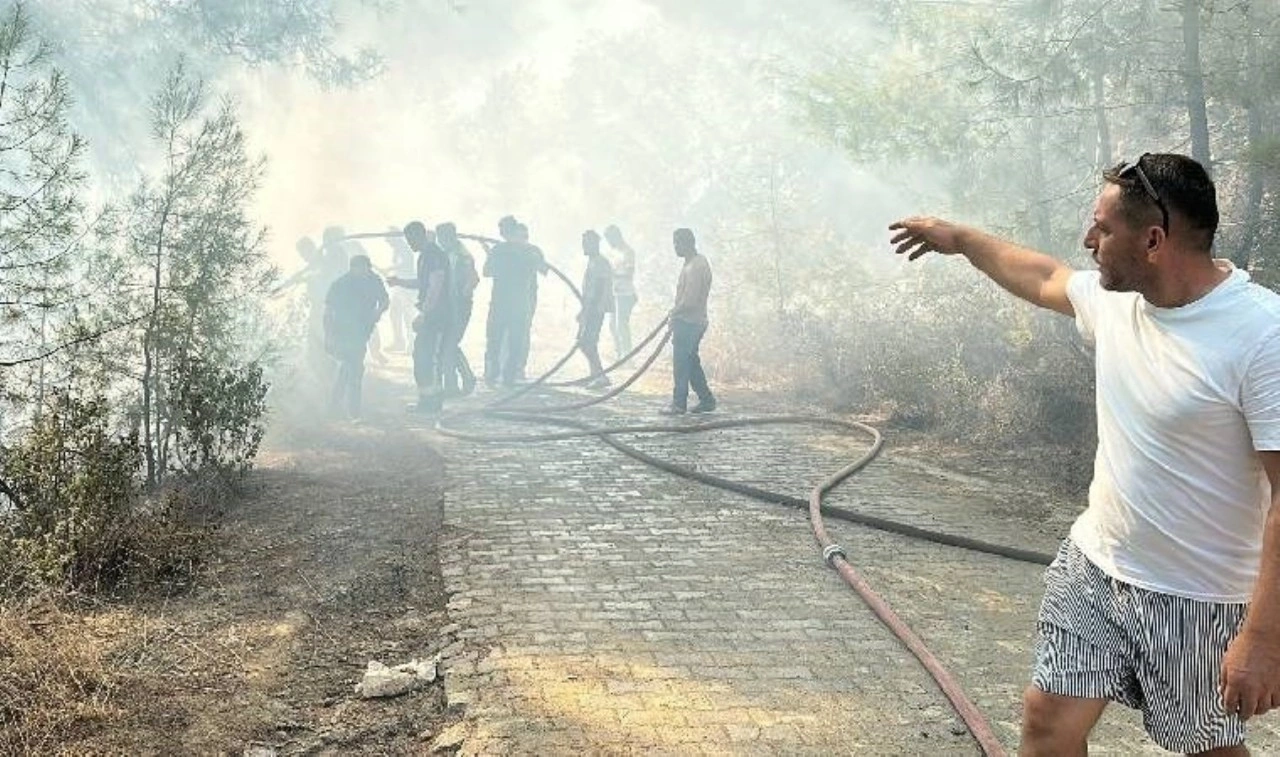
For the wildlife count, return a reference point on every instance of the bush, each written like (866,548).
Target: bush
(934,354)
(79,521)
(218,417)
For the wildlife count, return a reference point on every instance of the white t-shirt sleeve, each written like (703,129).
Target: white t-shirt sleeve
(1084,289)
(1260,395)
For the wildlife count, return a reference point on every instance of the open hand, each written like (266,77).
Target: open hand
(919,234)
(1250,683)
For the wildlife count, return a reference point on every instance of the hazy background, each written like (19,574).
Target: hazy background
(788,135)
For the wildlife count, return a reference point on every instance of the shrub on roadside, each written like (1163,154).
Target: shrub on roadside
(218,417)
(79,521)
(962,361)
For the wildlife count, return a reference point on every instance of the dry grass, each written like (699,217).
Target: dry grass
(56,681)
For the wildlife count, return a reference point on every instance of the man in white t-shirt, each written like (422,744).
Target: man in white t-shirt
(1166,595)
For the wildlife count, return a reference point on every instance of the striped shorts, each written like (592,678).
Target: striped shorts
(1099,638)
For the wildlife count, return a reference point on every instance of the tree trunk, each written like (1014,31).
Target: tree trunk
(1041,211)
(151,429)
(780,294)
(1193,80)
(1103,153)
(1255,186)
(148,404)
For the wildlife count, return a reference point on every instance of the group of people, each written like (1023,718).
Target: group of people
(687,318)
(444,276)
(1166,594)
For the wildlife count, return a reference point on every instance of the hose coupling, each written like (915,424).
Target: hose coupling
(830,553)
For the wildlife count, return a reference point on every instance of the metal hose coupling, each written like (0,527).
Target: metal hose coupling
(830,554)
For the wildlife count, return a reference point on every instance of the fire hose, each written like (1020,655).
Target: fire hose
(835,556)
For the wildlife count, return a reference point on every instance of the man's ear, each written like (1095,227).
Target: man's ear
(1155,240)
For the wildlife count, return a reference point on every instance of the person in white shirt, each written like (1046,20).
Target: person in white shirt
(688,325)
(624,289)
(597,303)
(1166,595)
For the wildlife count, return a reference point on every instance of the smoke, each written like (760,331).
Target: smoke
(568,114)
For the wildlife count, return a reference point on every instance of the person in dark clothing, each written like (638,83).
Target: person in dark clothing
(510,267)
(353,305)
(536,266)
(456,369)
(597,302)
(688,325)
(376,356)
(434,321)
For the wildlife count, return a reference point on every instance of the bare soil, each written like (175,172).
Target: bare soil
(330,562)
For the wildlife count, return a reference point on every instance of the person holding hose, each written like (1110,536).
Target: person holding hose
(624,290)
(688,325)
(458,378)
(1166,594)
(597,303)
(434,323)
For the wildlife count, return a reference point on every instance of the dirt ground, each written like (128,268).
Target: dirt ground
(330,563)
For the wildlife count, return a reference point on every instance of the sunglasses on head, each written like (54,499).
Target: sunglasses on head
(1135,167)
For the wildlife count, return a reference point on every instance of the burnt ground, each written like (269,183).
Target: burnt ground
(329,563)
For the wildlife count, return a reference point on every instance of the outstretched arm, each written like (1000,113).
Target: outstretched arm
(1033,276)
(294,280)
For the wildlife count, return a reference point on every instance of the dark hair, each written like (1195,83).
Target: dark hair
(1181,183)
(684,236)
(361,263)
(507,223)
(415,227)
(591,236)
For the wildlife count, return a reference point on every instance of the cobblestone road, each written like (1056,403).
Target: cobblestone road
(600,607)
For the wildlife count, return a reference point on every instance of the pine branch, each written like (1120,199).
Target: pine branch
(74,342)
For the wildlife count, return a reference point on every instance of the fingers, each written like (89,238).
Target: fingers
(1229,692)
(1246,701)
(1248,707)
(910,239)
(900,236)
(913,248)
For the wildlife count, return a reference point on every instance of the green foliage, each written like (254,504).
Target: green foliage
(40,195)
(930,352)
(77,486)
(193,261)
(219,415)
(112,50)
(1018,108)
(79,520)
(84,505)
